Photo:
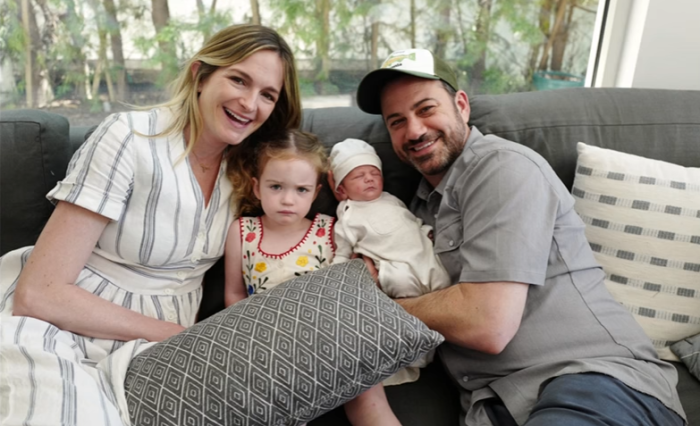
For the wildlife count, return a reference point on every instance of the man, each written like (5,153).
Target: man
(533,335)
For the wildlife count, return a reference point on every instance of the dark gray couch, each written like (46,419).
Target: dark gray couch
(35,148)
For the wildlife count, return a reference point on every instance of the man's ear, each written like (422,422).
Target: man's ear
(194,68)
(256,188)
(462,103)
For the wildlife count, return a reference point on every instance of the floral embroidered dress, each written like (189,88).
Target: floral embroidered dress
(262,271)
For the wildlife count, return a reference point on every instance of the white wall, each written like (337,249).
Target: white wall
(650,44)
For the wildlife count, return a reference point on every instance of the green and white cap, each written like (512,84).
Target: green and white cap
(417,62)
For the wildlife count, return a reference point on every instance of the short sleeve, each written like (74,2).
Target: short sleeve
(509,210)
(101,173)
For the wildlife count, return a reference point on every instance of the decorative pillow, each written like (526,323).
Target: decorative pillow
(688,350)
(282,357)
(643,222)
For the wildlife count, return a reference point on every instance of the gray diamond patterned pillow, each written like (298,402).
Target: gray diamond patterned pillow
(283,357)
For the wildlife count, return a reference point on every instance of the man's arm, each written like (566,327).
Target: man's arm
(480,316)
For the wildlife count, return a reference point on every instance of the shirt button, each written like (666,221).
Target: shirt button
(171,317)
(451,243)
(465,378)
(194,258)
(168,291)
(181,274)
(201,235)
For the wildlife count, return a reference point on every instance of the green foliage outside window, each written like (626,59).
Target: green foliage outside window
(96,51)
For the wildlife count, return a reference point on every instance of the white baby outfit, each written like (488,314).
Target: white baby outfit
(396,240)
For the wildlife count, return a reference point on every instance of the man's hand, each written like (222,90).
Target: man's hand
(339,195)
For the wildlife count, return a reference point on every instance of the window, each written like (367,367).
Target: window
(87,58)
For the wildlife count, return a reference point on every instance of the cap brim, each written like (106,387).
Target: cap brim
(370,89)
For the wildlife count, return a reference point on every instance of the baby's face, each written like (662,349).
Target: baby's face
(364,183)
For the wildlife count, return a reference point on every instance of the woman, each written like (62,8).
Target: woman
(141,215)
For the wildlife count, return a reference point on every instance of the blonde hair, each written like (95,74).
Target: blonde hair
(250,158)
(228,47)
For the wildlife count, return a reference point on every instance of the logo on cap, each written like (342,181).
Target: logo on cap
(391,61)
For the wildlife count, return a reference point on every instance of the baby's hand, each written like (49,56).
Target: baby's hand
(340,196)
(370,266)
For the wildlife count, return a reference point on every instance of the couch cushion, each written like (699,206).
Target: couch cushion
(689,391)
(688,350)
(34,153)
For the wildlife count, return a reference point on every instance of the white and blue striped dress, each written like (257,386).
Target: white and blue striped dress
(151,258)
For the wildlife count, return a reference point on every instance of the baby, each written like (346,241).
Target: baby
(378,225)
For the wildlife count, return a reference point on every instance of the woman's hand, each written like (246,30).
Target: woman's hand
(164,331)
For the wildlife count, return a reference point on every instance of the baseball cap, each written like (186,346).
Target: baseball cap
(417,62)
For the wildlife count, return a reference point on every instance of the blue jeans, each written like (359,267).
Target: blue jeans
(590,399)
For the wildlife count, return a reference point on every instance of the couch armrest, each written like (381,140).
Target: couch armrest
(34,153)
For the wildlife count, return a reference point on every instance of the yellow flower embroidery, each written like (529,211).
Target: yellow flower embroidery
(260,267)
(302,261)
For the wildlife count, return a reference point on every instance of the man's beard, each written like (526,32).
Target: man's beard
(441,159)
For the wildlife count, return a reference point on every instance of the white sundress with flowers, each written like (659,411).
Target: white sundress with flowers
(262,271)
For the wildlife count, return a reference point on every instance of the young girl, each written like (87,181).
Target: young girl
(280,178)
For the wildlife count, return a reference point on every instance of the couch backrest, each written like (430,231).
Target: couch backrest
(660,124)
(35,146)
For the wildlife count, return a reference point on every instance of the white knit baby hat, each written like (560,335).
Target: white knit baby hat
(350,154)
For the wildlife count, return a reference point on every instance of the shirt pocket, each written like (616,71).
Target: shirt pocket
(449,237)
(448,240)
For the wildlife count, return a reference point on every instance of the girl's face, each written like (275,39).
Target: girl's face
(235,101)
(286,188)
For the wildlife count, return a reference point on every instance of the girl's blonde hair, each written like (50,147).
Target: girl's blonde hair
(228,47)
(250,158)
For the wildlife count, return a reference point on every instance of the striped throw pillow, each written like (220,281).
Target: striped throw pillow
(643,222)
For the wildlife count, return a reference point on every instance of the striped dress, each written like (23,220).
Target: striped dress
(151,258)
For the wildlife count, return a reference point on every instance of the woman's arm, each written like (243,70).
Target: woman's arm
(46,289)
(235,288)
